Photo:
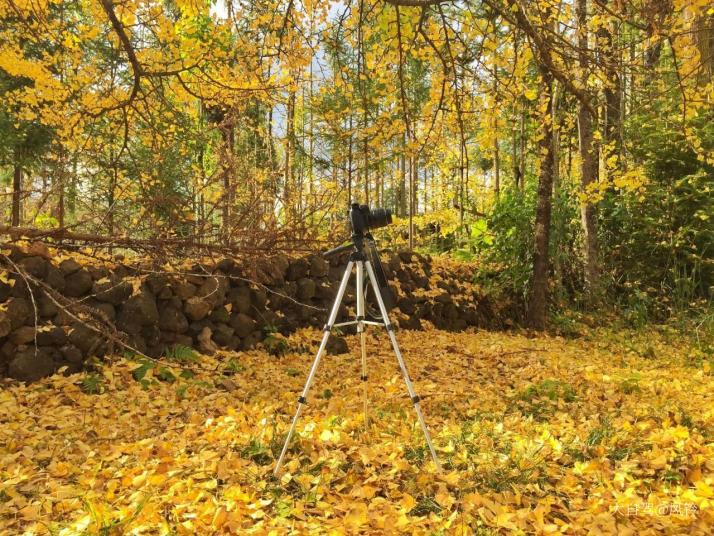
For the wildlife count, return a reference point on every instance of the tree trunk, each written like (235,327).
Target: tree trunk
(514,158)
(522,151)
(538,301)
(365,155)
(557,94)
(612,90)
(349,166)
(16,193)
(588,161)
(496,168)
(412,198)
(290,156)
(496,152)
(227,168)
(402,188)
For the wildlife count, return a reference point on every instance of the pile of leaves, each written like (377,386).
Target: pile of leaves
(609,433)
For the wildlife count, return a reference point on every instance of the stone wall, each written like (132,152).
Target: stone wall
(61,313)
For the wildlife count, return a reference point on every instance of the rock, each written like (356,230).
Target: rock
(205,344)
(7,352)
(404,277)
(152,336)
(20,290)
(115,292)
(155,350)
(318,266)
(78,283)
(35,266)
(19,312)
(240,298)
(98,272)
(225,265)
(55,278)
(227,384)
(444,297)
(306,289)
(196,308)
(40,249)
(69,266)
(251,341)
(197,275)
(406,256)
(72,354)
(17,253)
(106,309)
(297,269)
(122,272)
(325,293)
(5,325)
(223,334)
(62,318)
(409,322)
(220,315)
(336,345)
(84,338)
(5,291)
(183,339)
(194,328)
(171,319)
(156,282)
(141,309)
(272,271)
(166,294)
(53,353)
(50,335)
(242,324)
(421,281)
(259,297)
(28,367)
(406,305)
(213,290)
(184,290)
(286,296)
(450,313)
(23,335)
(234,343)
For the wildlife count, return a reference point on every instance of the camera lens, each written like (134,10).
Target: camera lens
(379,217)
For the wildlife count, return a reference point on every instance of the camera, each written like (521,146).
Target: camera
(363,218)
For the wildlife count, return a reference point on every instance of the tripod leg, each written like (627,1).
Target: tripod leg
(362,335)
(402,365)
(303,398)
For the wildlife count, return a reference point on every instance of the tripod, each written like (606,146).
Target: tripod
(360,261)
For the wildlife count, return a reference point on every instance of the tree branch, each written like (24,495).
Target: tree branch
(136,67)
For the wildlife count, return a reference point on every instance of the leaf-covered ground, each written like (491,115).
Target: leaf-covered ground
(610,433)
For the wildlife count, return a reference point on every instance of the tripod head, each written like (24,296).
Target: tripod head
(363,246)
(362,219)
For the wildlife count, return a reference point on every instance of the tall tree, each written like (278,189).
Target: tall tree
(589,157)
(539,295)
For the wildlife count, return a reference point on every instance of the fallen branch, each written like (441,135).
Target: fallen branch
(63,234)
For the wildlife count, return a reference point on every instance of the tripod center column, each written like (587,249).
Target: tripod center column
(362,334)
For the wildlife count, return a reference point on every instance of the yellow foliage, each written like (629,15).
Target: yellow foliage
(537,435)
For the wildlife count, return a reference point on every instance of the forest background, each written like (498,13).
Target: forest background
(565,145)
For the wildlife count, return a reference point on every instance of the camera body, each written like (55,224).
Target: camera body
(362,218)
